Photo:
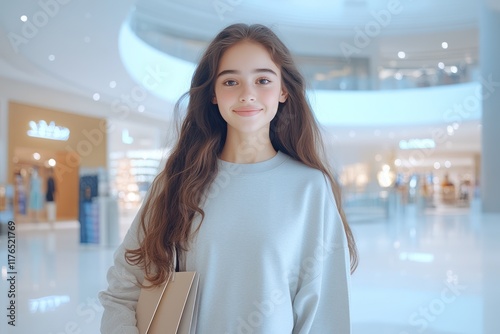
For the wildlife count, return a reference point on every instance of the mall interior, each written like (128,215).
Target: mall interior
(407,94)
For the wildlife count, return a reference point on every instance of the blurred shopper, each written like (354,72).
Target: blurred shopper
(50,203)
(36,197)
(246,200)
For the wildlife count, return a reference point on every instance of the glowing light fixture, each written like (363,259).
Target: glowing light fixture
(48,303)
(450,130)
(386,177)
(416,257)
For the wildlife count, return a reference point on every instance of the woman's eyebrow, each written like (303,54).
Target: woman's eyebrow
(257,70)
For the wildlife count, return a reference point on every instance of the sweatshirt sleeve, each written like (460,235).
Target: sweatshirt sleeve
(321,304)
(120,298)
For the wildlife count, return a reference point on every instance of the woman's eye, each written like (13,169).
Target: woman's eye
(263,81)
(229,83)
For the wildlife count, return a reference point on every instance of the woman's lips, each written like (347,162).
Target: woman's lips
(246,112)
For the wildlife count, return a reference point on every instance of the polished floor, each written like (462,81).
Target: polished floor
(434,272)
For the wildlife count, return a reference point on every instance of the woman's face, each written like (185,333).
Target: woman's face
(248,88)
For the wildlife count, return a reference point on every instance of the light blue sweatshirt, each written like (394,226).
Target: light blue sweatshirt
(271,255)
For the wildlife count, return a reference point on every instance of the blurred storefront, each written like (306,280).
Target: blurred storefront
(42,140)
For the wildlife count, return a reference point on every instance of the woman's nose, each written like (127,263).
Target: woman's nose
(247,95)
(247,99)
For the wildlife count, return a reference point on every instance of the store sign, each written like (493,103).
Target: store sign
(414,144)
(48,131)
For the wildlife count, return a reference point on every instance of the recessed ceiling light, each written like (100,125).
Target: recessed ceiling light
(441,65)
(444,45)
(398,76)
(52,57)
(453,69)
(24,18)
(401,54)
(112,84)
(96,96)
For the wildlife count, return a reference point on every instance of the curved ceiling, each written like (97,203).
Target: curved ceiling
(73,45)
(319,27)
(318,16)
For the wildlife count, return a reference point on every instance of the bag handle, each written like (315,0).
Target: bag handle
(176,260)
(175,265)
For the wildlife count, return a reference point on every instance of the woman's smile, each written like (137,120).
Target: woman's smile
(247,111)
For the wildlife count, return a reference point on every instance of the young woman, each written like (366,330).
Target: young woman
(247,201)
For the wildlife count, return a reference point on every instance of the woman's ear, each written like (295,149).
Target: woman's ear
(214,99)
(283,96)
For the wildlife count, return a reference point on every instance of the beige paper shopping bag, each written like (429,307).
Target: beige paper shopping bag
(168,308)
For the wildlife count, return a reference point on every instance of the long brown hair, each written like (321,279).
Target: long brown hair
(166,217)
